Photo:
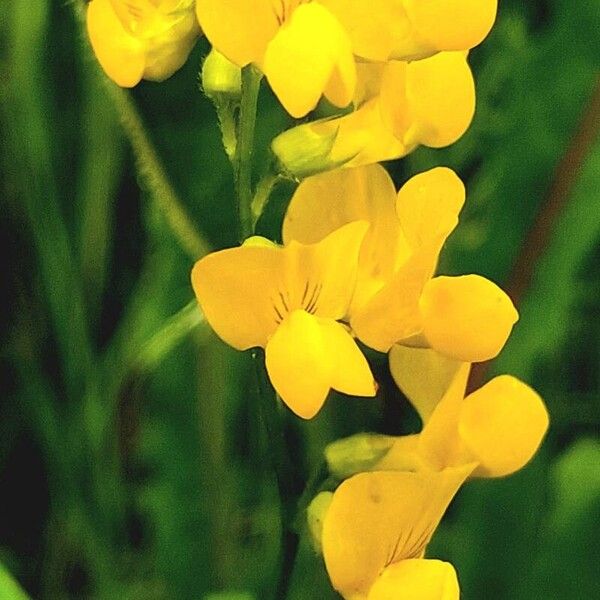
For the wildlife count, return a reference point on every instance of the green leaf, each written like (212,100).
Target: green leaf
(9,588)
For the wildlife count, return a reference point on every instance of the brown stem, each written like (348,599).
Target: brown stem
(559,193)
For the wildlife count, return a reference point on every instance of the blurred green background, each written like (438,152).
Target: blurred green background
(133,463)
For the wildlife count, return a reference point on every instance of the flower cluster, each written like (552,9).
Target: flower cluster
(141,39)
(357,263)
(308,49)
(401,65)
(404,485)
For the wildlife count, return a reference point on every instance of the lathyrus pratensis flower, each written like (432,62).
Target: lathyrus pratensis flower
(397,299)
(141,39)
(300,46)
(289,300)
(307,48)
(398,106)
(499,427)
(383,30)
(375,529)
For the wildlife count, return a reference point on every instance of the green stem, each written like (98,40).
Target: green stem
(154,176)
(245,142)
(149,166)
(262,194)
(289,482)
(250,206)
(9,586)
(173,331)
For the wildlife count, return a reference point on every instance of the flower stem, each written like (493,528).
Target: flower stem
(289,481)
(250,207)
(262,194)
(243,155)
(153,176)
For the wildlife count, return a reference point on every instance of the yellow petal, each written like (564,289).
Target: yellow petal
(238,290)
(377,519)
(428,206)
(349,370)
(133,14)
(341,86)
(423,376)
(393,103)
(358,138)
(467,318)
(392,314)
(452,24)
(364,138)
(321,277)
(121,55)
(307,51)
(368,81)
(502,424)
(441,94)
(403,455)
(417,579)
(298,365)
(327,201)
(171,42)
(238,29)
(372,26)
(439,443)
(307,356)
(323,203)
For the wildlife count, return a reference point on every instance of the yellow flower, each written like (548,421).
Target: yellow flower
(399,105)
(499,426)
(412,29)
(396,300)
(141,39)
(300,46)
(375,531)
(289,300)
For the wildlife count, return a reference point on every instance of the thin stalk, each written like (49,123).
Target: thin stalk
(250,206)
(289,483)
(149,165)
(154,176)
(262,194)
(245,142)
(10,587)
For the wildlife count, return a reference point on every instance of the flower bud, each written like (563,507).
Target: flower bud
(357,453)
(307,149)
(315,515)
(221,79)
(143,40)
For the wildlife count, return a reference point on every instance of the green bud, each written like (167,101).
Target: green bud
(315,515)
(221,79)
(307,149)
(257,241)
(355,454)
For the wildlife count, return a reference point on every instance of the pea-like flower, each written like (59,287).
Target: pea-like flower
(499,427)
(381,30)
(397,299)
(141,39)
(398,106)
(289,300)
(376,529)
(300,46)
